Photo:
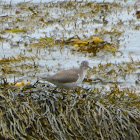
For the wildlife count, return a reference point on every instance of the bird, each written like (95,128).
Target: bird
(70,78)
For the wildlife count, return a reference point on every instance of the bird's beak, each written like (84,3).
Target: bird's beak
(89,67)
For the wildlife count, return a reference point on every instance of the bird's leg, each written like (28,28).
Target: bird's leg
(68,94)
(62,90)
(63,94)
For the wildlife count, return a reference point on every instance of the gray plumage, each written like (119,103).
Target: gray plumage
(68,78)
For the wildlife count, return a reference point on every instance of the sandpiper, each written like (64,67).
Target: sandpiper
(68,78)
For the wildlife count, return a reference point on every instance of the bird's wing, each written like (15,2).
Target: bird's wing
(66,76)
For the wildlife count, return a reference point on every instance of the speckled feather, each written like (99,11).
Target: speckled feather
(66,76)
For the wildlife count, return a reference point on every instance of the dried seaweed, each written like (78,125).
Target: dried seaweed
(38,114)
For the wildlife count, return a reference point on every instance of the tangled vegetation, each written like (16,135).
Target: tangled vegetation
(37,113)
